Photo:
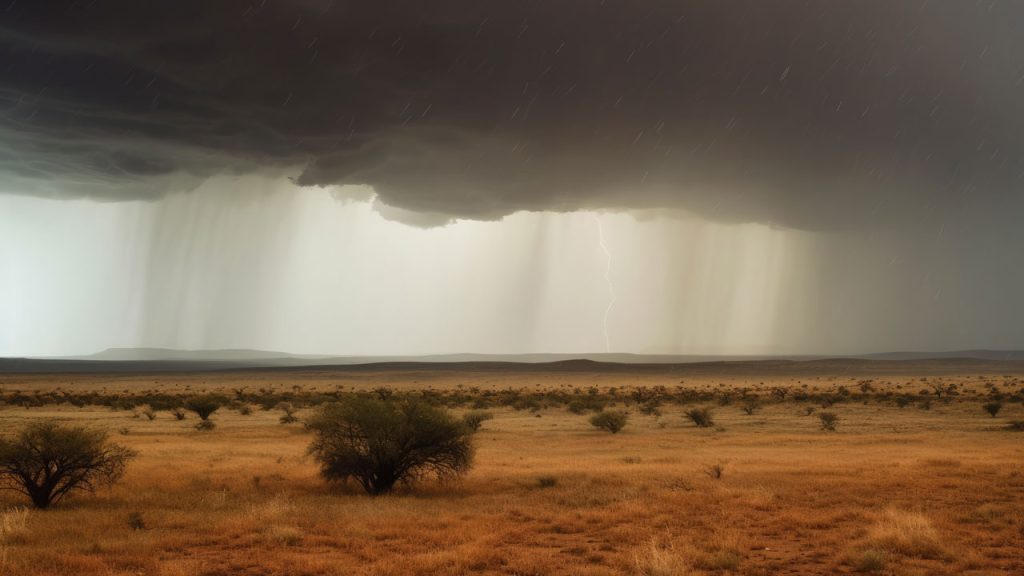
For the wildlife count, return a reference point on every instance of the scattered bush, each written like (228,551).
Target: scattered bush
(547,481)
(289,413)
(993,408)
(203,406)
(136,521)
(474,419)
(205,425)
(702,417)
(178,413)
(715,471)
(245,410)
(47,461)
(829,421)
(148,412)
(870,561)
(586,404)
(610,420)
(750,405)
(379,443)
(651,408)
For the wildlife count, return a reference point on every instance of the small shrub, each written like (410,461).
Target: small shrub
(245,410)
(750,405)
(178,413)
(702,417)
(47,461)
(651,408)
(474,419)
(715,471)
(203,406)
(547,482)
(993,408)
(289,413)
(870,561)
(148,412)
(610,420)
(206,425)
(829,421)
(136,521)
(808,410)
(586,404)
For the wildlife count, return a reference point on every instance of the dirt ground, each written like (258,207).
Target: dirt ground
(901,491)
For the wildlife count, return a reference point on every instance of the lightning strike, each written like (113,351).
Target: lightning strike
(607,279)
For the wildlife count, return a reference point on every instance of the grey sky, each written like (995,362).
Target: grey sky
(409,177)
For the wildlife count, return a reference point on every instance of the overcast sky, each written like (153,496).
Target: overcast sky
(405,177)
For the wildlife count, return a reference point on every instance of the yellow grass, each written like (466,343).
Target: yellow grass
(921,492)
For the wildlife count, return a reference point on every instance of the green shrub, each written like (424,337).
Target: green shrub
(610,420)
(382,442)
(204,406)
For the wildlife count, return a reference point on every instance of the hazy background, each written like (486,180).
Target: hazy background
(253,262)
(408,177)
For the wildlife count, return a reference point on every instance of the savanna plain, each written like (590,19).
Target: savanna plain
(716,471)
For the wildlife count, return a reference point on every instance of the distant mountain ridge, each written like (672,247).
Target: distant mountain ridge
(126,360)
(245,354)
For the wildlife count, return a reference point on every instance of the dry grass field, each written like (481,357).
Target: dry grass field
(903,491)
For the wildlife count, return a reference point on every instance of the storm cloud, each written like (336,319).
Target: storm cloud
(813,114)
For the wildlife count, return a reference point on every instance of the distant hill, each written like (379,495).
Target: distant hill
(127,360)
(284,358)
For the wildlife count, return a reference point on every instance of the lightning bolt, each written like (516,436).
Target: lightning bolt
(607,279)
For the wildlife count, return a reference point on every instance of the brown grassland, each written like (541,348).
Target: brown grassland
(933,487)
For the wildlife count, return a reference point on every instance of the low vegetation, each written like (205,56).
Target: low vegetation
(475,419)
(702,417)
(610,420)
(547,495)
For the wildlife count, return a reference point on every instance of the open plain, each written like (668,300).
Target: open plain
(917,478)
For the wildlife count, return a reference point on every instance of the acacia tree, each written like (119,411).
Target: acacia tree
(381,442)
(204,406)
(46,461)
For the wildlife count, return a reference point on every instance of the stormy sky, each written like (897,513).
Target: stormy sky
(404,177)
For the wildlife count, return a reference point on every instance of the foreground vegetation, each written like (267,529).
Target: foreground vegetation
(915,480)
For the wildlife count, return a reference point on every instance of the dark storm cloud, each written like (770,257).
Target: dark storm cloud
(810,114)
